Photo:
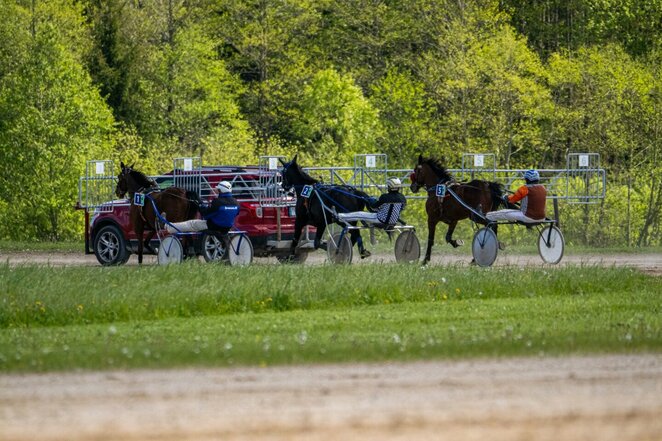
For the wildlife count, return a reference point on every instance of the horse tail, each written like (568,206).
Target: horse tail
(496,191)
(194,202)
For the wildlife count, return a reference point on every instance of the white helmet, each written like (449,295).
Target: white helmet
(393,184)
(224,187)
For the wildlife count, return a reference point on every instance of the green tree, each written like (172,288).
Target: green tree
(405,114)
(267,44)
(604,104)
(51,119)
(337,120)
(164,77)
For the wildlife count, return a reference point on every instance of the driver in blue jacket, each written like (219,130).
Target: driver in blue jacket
(217,216)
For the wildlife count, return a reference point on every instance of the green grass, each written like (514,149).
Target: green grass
(207,315)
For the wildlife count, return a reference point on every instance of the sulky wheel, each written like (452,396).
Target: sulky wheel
(240,251)
(170,251)
(407,247)
(484,247)
(339,251)
(551,244)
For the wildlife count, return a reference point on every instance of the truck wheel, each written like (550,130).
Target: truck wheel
(110,246)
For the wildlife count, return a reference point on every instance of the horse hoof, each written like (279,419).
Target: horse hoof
(365,253)
(502,246)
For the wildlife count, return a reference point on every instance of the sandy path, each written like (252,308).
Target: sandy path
(575,398)
(649,262)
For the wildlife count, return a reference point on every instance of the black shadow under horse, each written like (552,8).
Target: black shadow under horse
(177,203)
(310,211)
(482,196)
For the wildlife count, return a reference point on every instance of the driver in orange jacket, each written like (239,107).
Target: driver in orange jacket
(532,198)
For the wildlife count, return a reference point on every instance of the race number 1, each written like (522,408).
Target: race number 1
(306,191)
(139,199)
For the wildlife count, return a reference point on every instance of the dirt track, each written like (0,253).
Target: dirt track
(577,398)
(649,262)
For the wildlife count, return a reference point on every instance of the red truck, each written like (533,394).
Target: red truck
(109,233)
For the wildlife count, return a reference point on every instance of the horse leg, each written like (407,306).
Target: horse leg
(148,240)
(432,226)
(298,228)
(317,242)
(495,227)
(139,235)
(355,235)
(449,235)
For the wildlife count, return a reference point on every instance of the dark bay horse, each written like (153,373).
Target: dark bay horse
(482,196)
(178,204)
(309,211)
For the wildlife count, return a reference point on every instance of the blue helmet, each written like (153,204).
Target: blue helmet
(532,175)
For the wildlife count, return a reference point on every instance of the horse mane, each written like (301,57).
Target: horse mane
(437,168)
(141,179)
(305,175)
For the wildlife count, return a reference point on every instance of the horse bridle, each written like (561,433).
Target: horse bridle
(285,182)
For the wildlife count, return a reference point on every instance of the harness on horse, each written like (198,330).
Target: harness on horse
(139,198)
(441,192)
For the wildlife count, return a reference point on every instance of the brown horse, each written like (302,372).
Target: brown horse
(482,196)
(178,204)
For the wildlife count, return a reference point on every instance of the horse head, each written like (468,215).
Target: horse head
(131,181)
(294,176)
(122,187)
(428,173)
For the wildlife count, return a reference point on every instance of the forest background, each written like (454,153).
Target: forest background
(145,81)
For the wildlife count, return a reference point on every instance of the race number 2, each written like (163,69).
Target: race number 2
(306,191)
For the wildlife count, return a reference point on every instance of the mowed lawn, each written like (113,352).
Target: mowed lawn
(198,314)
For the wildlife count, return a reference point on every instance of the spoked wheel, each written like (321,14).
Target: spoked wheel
(407,247)
(339,251)
(240,251)
(213,247)
(484,247)
(551,244)
(170,251)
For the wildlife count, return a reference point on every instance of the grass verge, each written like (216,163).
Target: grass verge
(207,315)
